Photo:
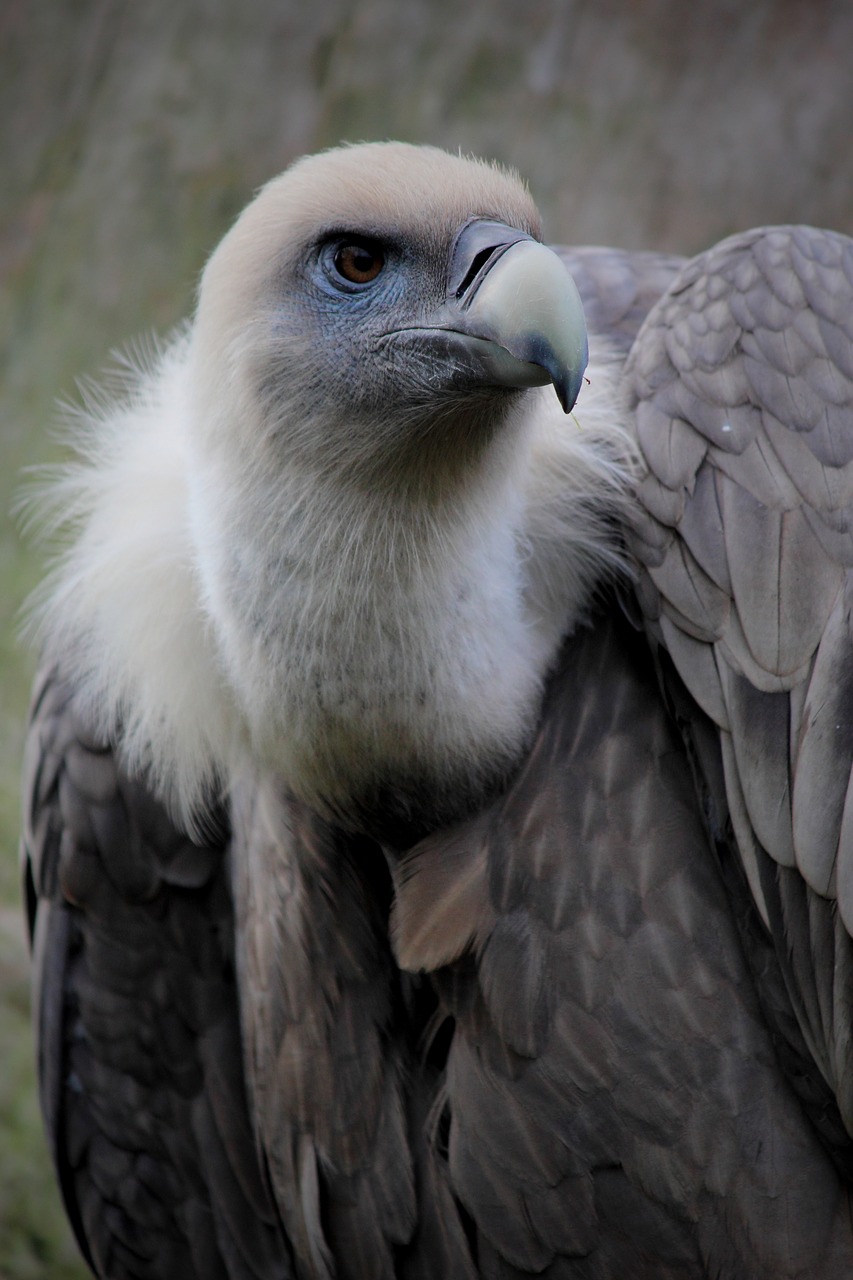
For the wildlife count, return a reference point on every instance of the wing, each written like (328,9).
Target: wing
(743,383)
(138,1043)
(618,288)
(614,1104)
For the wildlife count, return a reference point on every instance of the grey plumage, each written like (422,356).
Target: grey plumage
(583,1014)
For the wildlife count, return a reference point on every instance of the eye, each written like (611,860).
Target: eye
(358,261)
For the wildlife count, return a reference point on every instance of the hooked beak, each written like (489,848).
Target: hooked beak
(512,316)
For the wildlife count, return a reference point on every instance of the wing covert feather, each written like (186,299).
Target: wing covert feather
(582,1045)
(741,379)
(618,287)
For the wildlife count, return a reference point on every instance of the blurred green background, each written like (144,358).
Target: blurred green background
(131,134)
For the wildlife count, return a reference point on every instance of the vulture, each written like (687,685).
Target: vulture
(438,829)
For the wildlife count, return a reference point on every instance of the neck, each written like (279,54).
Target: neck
(375,634)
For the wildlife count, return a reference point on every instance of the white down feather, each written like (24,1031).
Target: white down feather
(217,607)
(376,641)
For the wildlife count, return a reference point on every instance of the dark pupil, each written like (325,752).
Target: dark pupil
(358,263)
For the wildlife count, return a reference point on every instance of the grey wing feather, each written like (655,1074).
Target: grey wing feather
(742,381)
(618,287)
(614,1103)
(136,1020)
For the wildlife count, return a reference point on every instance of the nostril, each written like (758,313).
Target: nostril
(478,245)
(477,263)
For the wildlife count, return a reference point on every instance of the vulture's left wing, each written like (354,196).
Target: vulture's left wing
(742,379)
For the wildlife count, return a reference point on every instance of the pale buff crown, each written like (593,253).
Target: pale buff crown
(367,186)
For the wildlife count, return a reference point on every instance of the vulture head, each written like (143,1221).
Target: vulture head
(383,520)
(377,301)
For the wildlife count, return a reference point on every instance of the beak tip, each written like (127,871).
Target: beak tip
(567,389)
(568,381)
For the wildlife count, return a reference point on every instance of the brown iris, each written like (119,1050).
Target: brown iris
(358,262)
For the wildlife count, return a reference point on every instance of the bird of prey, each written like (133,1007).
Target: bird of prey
(438,843)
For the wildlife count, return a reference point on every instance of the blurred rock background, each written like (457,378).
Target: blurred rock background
(131,134)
